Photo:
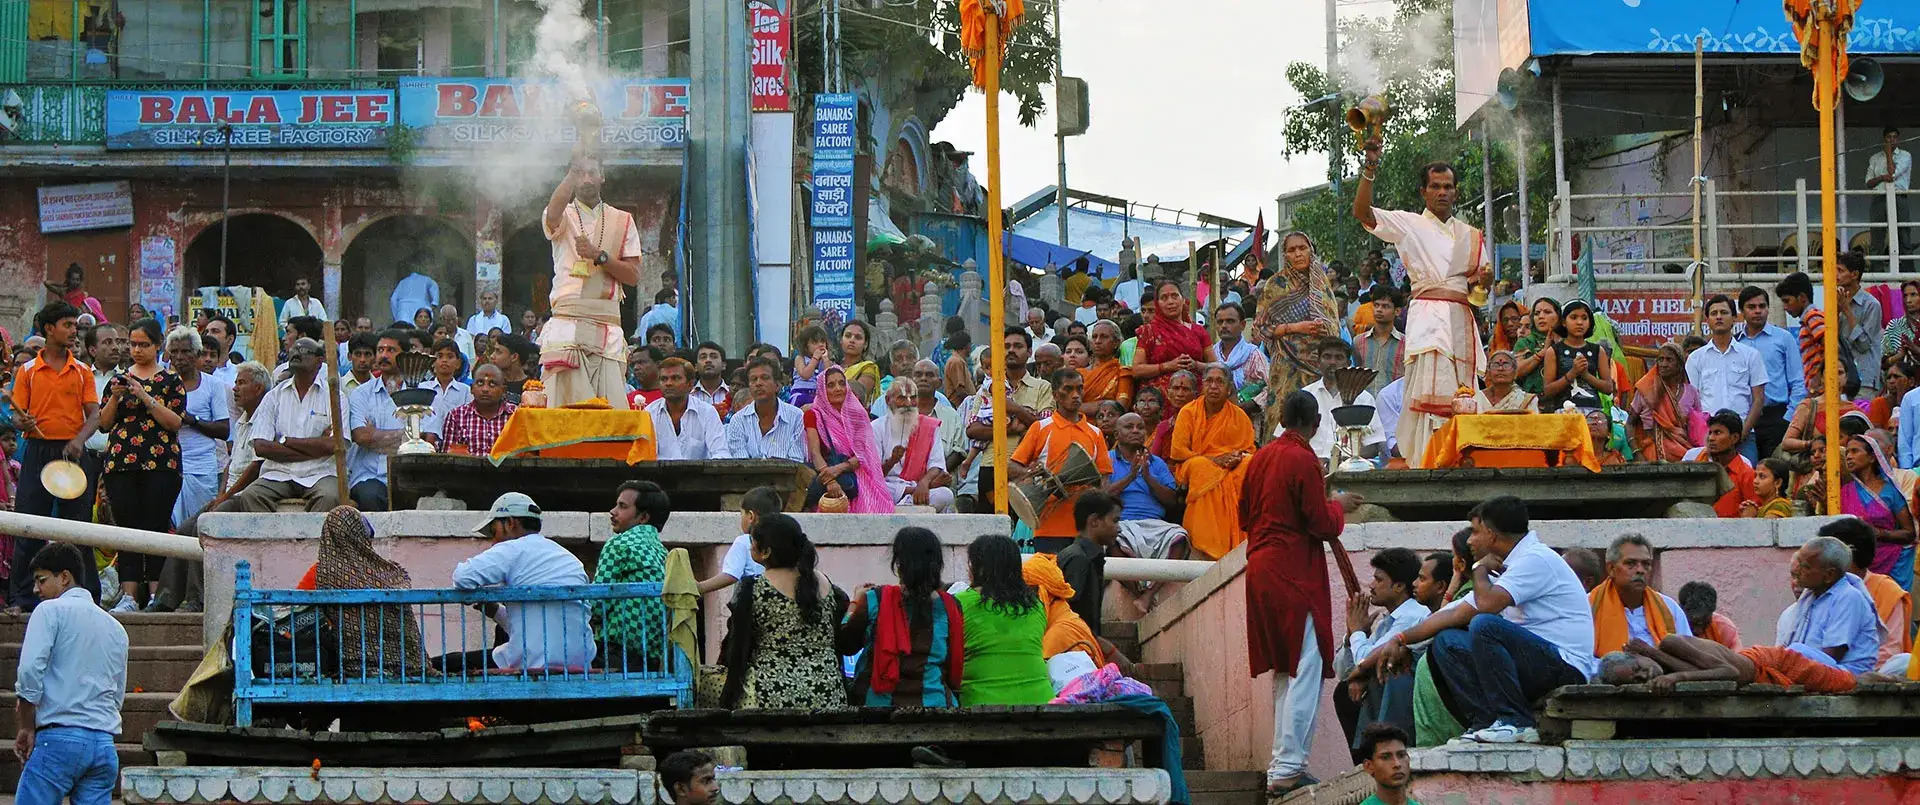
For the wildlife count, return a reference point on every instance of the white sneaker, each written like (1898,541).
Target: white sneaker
(1504,733)
(126,605)
(1466,739)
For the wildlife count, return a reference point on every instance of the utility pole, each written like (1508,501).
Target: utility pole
(1334,121)
(1059,134)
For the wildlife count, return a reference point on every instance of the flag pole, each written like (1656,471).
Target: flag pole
(996,264)
(1824,97)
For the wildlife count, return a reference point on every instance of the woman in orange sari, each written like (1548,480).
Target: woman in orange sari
(1170,341)
(1106,378)
(1212,439)
(1664,405)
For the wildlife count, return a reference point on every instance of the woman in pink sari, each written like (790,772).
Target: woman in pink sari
(1170,341)
(1872,494)
(838,426)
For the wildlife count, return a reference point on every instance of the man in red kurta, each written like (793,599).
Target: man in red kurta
(1288,518)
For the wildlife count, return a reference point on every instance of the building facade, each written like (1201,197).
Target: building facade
(166,146)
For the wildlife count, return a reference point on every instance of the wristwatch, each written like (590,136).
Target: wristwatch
(601,259)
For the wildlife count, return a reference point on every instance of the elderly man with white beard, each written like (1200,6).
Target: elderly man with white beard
(915,469)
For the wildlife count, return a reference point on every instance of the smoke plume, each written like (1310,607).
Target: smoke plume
(1372,55)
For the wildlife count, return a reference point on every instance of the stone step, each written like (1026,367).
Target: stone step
(143,628)
(150,669)
(1227,787)
(139,713)
(131,754)
(1192,756)
(1159,671)
(1182,708)
(1168,688)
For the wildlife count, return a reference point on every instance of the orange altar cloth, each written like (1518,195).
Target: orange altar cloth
(1562,433)
(577,433)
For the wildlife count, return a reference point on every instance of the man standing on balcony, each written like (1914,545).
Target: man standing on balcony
(596,253)
(1889,165)
(1445,258)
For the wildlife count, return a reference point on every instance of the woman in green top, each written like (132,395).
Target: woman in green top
(1433,724)
(1533,347)
(1005,628)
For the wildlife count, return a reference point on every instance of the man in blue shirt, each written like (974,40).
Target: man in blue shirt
(71,682)
(1836,624)
(1145,486)
(1780,350)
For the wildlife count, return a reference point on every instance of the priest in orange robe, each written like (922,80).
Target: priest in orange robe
(1212,439)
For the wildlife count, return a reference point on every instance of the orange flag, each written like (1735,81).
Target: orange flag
(973,31)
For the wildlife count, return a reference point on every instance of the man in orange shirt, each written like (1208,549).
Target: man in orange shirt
(1050,440)
(56,409)
(1723,447)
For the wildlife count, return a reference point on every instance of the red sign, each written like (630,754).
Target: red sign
(1648,318)
(772,40)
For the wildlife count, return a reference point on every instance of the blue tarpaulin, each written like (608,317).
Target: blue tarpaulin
(1570,27)
(1040,254)
(1100,232)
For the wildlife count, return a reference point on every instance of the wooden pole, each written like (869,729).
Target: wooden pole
(1215,293)
(1825,89)
(331,353)
(996,266)
(1193,275)
(1699,131)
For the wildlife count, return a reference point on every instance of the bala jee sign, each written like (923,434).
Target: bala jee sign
(771,40)
(78,207)
(190,119)
(461,112)
(834,117)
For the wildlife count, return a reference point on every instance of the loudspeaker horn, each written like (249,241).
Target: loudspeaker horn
(1043,488)
(1507,91)
(1865,79)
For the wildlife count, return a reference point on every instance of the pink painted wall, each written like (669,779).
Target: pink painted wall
(1234,713)
(1484,789)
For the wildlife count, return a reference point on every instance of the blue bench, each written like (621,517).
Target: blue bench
(301,665)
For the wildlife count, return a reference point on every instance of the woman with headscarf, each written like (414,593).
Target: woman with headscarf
(1665,406)
(840,445)
(347,561)
(1533,347)
(1509,326)
(1873,495)
(1066,630)
(1170,341)
(1296,310)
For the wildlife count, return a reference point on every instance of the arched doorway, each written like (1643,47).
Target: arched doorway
(389,249)
(263,250)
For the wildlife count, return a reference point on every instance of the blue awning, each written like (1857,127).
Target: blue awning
(1040,254)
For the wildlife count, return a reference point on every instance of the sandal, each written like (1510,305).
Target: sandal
(1277,789)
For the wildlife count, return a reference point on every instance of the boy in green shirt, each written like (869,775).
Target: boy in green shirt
(1385,748)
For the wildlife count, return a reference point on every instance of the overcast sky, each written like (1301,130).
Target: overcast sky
(1188,99)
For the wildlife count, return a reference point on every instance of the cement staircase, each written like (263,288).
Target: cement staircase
(1168,680)
(163,650)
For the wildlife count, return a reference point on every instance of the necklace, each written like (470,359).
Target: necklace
(581,266)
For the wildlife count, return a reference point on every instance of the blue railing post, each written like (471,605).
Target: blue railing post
(243,644)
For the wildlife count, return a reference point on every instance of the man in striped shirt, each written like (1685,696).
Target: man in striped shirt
(1796,297)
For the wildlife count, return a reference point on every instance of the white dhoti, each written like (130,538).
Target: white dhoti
(939,498)
(1150,539)
(1443,346)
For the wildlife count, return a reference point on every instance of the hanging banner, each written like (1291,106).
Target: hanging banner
(772,39)
(155,119)
(834,119)
(159,276)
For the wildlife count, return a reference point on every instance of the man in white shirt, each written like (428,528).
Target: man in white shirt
(768,428)
(221,327)
(1366,701)
(1624,597)
(1892,166)
(1526,629)
(301,304)
(1729,375)
(414,291)
(489,318)
(913,459)
(1333,354)
(953,428)
(450,316)
(684,427)
(1388,412)
(709,375)
(71,682)
(294,437)
(540,635)
(1037,325)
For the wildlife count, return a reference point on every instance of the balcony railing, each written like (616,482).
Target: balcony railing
(1768,244)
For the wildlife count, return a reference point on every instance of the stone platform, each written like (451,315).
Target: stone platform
(568,484)
(1560,493)
(254,785)
(1653,772)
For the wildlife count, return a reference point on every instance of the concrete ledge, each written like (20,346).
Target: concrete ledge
(683,528)
(1690,759)
(1664,533)
(1052,786)
(260,785)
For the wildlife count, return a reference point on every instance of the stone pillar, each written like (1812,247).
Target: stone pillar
(486,255)
(332,249)
(655,30)
(886,329)
(718,128)
(1053,291)
(972,306)
(933,322)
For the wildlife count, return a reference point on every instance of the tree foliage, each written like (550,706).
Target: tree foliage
(913,50)
(1409,55)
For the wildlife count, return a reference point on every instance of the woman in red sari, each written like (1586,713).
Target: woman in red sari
(1169,341)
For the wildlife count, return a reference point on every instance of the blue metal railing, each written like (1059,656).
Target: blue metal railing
(306,646)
